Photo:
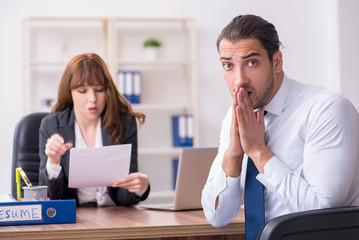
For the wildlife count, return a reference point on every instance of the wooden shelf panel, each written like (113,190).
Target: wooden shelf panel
(160,151)
(160,106)
(155,63)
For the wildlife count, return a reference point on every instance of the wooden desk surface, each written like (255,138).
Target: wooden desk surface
(129,223)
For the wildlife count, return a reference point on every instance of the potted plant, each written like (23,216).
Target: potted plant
(151,46)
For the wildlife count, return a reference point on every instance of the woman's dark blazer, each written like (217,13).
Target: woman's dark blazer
(63,124)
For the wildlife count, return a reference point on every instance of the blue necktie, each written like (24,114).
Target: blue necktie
(253,202)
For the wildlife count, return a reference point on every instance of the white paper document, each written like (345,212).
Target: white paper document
(98,166)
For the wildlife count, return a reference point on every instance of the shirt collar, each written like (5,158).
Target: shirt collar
(276,105)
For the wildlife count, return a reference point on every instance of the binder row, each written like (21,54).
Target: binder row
(182,126)
(129,85)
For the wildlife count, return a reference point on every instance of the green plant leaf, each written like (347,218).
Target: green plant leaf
(152,42)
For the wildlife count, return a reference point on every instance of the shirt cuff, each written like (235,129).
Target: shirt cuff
(274,173)
(53,170)
(219,186)
(222,181)
(219,180)
(227,188)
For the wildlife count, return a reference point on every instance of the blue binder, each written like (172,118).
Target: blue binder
(182,130)
(37,212)
(129,85)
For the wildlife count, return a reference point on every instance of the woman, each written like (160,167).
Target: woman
(89,112)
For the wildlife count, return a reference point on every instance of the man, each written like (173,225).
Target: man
(302,140)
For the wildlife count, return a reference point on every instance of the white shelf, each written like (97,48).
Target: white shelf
(50,63)
(159,151)
(155,63)
(160,106)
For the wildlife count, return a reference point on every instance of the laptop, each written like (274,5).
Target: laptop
(193,168)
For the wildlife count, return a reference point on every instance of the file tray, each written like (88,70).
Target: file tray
(37,212)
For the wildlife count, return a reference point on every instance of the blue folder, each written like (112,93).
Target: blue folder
(129,85)
(37,212)
(182,134)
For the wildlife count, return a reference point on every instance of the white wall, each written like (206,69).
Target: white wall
(349,48)
(307,28)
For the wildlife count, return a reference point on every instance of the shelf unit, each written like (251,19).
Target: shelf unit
(169,84)
(48,45)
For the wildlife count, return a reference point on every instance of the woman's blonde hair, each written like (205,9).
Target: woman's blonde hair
(89,68)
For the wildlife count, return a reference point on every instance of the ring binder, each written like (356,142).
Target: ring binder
(38,212)
(129,85)
(182,130)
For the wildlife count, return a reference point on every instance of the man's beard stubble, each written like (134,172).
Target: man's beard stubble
(267,93)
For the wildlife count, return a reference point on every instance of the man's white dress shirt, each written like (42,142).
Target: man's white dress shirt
(314,135)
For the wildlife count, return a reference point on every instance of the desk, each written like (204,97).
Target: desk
(129,223)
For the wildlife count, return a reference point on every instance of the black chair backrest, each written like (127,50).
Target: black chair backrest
(26,149)
(331,223)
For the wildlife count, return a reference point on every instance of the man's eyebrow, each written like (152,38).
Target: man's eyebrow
(243,57)
(251,55)
(225,58)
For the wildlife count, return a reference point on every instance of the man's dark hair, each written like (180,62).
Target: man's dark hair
(251,26)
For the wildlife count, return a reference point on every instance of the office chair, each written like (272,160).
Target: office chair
(331,223)
(26,149)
